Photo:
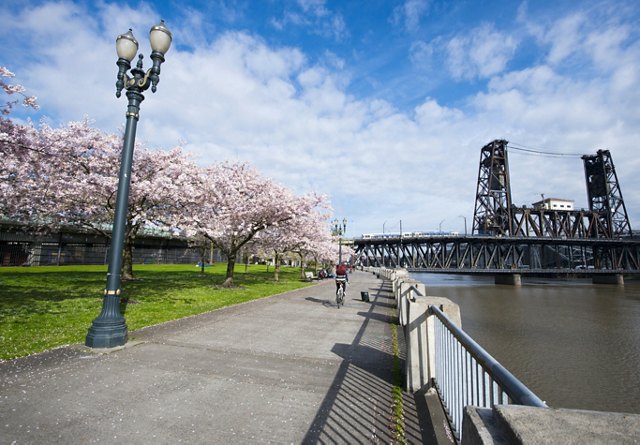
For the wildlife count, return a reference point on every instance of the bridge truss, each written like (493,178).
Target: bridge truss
(496,215)
(502,254)
(512,239)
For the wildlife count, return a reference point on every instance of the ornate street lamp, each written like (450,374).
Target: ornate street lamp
(339,229)
(109,329)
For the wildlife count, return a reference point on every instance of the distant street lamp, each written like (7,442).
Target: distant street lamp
(339,229)
(109,329)
(465,223)
(440,225)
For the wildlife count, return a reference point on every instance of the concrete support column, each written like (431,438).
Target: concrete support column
(615,279)
(35,255)
(407,293)
(510,279)
(397,276)
(420,339)
(417,364)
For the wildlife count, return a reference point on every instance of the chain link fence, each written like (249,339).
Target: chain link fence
(25,249)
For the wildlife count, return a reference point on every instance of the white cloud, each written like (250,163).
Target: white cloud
(482,52)
(430,113)
(238,97)
(316,18)
(315,7)
(596,39)
(564,37)
(422,53)
(409,14)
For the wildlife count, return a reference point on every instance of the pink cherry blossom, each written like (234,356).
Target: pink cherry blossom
(10,89)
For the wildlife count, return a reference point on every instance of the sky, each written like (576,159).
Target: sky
(381,105)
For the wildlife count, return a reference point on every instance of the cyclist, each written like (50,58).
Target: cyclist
(341,276)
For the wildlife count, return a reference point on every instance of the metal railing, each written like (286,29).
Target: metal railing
(466,374)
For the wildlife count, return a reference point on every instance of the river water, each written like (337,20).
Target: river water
(573,343)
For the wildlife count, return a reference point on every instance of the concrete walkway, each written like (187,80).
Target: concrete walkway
(292,368)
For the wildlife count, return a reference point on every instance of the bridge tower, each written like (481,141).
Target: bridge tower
(492,214)
(605,196)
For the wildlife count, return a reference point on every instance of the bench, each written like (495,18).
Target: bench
(308,276)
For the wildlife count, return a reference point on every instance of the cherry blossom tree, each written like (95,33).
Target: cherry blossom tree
(323,249)
(44,164)
(24,172)
(11,89)
(306,234)
(70,179)
(18,155)
(233,204)
(159,181)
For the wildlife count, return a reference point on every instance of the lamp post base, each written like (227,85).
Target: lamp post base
(106,334)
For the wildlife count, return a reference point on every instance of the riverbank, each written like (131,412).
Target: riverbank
(46,307)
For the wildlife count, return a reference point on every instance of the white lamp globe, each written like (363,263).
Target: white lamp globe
(127,46)
(160,38)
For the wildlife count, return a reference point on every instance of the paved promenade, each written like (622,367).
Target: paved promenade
(291,368)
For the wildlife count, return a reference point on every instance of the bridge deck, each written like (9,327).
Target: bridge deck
(536,272)
(286,369)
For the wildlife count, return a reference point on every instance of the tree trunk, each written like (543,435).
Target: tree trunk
(231,263)
(302,267)
(276,275)
(127,261)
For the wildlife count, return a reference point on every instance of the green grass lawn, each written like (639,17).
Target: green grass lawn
(45,307)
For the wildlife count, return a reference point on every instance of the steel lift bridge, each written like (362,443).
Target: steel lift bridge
(508,241)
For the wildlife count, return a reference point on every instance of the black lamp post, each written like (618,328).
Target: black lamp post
(465,224)
(109,329)
(339,229)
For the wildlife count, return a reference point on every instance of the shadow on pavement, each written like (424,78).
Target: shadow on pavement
(357,408)
(357,405)
(365,358)
(377,317)
(325,303)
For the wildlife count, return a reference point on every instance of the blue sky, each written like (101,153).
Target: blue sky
(382,105)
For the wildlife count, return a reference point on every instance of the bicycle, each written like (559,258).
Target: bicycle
(340,293)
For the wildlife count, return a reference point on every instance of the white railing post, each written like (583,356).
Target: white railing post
(417,354)
(419,329)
